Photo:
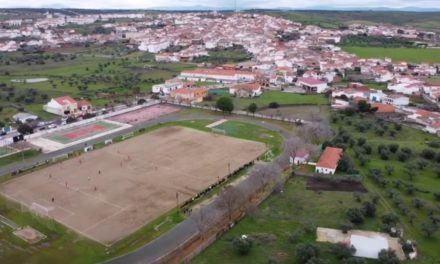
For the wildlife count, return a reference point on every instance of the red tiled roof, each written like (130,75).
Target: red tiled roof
(216,72)
(83,103)
(330,158)
(383,108)
(62,100)
(311,81)
(247,86)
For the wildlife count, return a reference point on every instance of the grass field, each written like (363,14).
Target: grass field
(294,210)
(27,154)
(100,79)
(409,55)
(6,151)
(425,180)
(334,19)
(66,246)
(277,218)
(268,97)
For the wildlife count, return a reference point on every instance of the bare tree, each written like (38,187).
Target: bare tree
(200,219)
(230,200)
(316,132)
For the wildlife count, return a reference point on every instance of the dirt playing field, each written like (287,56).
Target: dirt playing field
(109,193)
(144,114)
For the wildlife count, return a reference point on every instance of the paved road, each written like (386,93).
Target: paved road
(184,230)
(188,228)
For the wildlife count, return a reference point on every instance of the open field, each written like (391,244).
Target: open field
(144,114)
(294,211)
(334,19)
(268,97)
(307,112)
(399,190)
(410,55)
(120,203)
(104,81)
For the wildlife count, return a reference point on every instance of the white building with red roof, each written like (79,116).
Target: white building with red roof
(217,75)
(312,85)
(299,157)
(63,105)
(245,89)
(66,105)
(328,162)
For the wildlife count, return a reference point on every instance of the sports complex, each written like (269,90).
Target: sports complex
(111,192)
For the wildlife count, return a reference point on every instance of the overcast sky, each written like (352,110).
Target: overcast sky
(294,4)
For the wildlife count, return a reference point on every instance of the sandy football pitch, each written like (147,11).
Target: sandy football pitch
(107,194)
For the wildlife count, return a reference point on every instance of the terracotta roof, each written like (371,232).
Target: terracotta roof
(216,72)
(247,86)
(62,100)
(311,81)
(330,158)
(383,108)
(83,103)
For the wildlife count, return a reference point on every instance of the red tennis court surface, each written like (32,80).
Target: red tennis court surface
(80,132)
(144,114)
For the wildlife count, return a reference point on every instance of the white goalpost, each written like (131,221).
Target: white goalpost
(40,209)
(218,131)
(128,135)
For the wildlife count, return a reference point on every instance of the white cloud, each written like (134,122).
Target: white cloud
(127,4)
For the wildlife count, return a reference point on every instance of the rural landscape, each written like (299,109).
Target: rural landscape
(219,134)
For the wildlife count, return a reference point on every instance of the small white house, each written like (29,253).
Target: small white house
(328,162)
(245,90)
(167,87)
(312,85)
(64,105)
(299,157)
(24,117)
(396,99)
(377,95)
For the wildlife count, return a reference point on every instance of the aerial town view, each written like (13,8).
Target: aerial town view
(220,132)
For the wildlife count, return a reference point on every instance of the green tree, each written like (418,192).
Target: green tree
(252,108)
(369,209)
(225,104)
(429,229)
(25,129)
(355,215)
(305,252)
(342,251)
(388,257)
(353,260)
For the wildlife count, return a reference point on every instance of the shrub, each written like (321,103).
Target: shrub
(274,105)
(402,156)
(388,257)
(305,252)
(242,245)
(393,147)
(355,215)
(369,209)
(361,141)
(384,154)
(428,154)
(342,251)
(407,150)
